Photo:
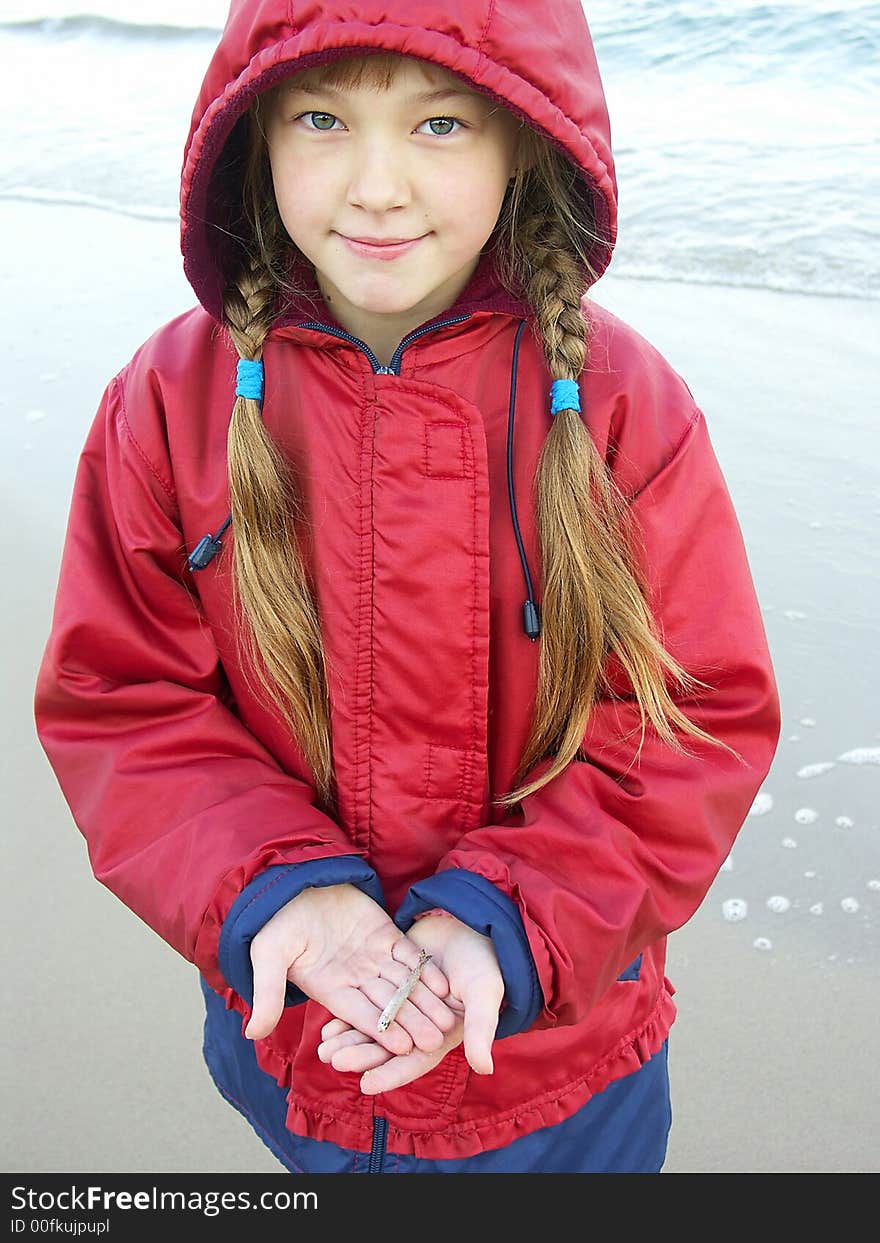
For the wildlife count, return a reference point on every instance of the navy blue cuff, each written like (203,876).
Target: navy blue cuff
(266,894)
(483,907)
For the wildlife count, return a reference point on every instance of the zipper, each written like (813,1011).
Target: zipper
(393,367)
(377,1152)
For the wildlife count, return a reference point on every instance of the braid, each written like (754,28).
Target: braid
(594,597)
(280,627)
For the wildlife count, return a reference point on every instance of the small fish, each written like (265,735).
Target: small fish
(389,1014)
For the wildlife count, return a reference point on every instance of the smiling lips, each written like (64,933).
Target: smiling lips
(380,248)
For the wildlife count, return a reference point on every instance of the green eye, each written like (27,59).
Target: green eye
(328,116)
(442,121)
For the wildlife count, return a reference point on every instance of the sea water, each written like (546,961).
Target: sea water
(745,133)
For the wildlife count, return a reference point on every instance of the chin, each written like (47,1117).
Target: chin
(384,304)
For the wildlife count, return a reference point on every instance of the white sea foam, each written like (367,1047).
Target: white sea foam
(815,770)
(778,904)
(763,802)
(806,815)
(734,909)
(861,755)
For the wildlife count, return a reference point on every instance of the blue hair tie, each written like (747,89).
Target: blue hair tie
(564,395)
(249,379)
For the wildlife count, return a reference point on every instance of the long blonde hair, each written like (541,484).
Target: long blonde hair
(594,600)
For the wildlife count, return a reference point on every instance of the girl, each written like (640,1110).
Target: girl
(403,608)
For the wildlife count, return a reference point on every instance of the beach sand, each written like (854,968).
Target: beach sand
(772,1058)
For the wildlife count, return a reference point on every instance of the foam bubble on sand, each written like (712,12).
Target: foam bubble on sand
(778,903)
(850,905)
(808,720)
(762,803)
(813,770)
(861,755)
(34,416)
(762,943)
(789,843)
(818,908)
(810,875)
(727,865)
(844,822)
(734,909)
(806,815)
(793,614)
(873,884)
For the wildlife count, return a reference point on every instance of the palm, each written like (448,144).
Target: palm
(343,950)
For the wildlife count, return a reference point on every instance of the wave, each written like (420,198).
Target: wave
(99,26)
(763,38)
(70,198)
(706,276)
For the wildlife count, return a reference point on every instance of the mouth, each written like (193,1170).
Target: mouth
(381,248)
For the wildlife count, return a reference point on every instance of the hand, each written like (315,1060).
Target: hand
(342,949)
(476,991)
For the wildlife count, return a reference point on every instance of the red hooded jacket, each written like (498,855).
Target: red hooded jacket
(182,781)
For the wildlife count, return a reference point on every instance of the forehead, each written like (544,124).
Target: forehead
(404,76)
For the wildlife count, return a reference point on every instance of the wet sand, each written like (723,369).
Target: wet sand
(772,1057)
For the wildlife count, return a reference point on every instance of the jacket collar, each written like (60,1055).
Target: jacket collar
(482,298)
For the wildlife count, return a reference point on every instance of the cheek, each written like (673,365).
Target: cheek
(298,194)
(472,204)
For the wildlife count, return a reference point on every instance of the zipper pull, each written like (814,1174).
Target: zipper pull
(385,371)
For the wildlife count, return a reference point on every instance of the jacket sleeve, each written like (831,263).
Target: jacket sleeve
(612,855)
(181,806)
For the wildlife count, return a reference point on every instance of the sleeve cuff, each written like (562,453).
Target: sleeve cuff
(265,895)
(483,907)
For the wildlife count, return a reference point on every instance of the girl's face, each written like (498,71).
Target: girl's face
(390,165)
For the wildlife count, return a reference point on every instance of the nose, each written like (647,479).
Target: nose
(378,179)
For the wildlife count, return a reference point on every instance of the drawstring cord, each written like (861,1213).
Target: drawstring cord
(564,395)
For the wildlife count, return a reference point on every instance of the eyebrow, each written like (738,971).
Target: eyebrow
(423,97)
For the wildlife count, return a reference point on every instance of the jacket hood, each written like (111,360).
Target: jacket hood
(537,60)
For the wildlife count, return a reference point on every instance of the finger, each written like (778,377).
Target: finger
(398,1071)
(270,984)
(480,1022)
(327,1048)
(358,1058)
(433,978)
(408,953)
(440,1012)
(334,1027)
(353,1006)
(427,1004)
(424,1033)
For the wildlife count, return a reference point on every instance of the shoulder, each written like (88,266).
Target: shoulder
(188,346)
(167,391)
(638,408)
